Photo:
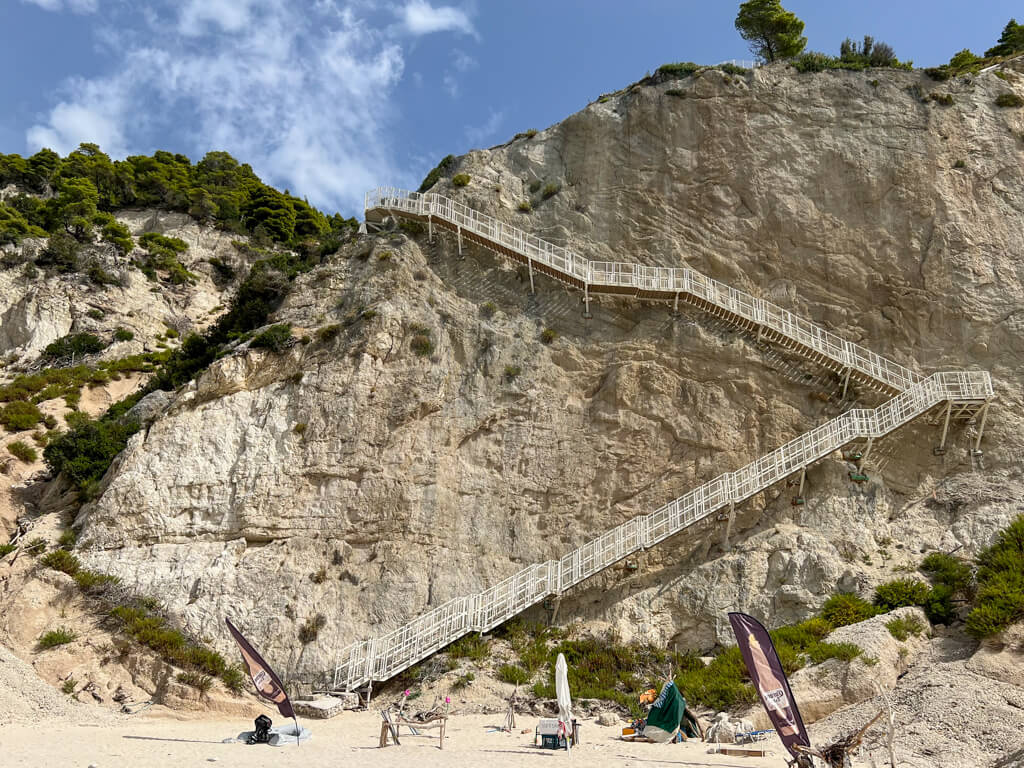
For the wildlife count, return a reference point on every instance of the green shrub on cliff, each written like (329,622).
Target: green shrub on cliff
(19,415)
(999,600)
(14,227)
(218,190)
(842,609)
(74,344)
(446,165)
(22,451)
(85,452)
(276,338)
(900,593)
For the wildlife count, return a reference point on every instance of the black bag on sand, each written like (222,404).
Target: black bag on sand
(262,732)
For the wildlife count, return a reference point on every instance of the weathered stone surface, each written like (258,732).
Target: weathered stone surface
(37,311)
(417,479)
(823,688)
(149,407)
(608,718)
(1002,657)
(326,707)
(940,708)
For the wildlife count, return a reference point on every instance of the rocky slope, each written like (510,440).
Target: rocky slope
(38,308)
(352,478)
(35,311)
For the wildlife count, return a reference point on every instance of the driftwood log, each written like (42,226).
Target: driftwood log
(837,754)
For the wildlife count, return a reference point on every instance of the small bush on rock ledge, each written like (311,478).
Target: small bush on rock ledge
(276,338)
(202,683)
(55,637)
(61,560)
(421,345)
(840,610)
(551,189)
(900,593)
(22,451)
(77,344)
(903,628)
(460,179)
(310,630)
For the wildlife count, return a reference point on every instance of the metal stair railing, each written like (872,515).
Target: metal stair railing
(383,657)
(667,280)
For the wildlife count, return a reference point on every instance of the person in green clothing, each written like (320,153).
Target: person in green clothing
(669,715)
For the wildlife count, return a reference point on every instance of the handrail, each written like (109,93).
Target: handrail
(666,280)
(389,654)
(383,657)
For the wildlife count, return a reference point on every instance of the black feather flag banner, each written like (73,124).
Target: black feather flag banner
(267,683)
(769,679)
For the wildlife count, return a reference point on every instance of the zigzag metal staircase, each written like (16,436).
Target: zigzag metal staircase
(967,392)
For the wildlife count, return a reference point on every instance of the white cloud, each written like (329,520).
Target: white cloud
(451,84)
(78,6)
(461,63)
(93,115)
(421,18)
(229,15)
(302,94)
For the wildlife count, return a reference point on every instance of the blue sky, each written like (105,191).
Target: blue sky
(331,97)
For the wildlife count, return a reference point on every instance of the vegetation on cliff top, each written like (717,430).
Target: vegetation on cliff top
(773,32)
(71,201)
(217,190)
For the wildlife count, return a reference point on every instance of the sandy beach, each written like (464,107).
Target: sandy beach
(349,739)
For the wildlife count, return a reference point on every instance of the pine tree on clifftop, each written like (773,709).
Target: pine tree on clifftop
(1011,41)
(773,32)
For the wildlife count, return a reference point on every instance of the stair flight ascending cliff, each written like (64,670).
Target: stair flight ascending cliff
(964,393)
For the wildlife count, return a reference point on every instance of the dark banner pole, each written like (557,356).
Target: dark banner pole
(268,684)
(770,681)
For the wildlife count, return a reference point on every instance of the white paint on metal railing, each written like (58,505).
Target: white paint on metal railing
(667,280)
(385,656)
(394,652)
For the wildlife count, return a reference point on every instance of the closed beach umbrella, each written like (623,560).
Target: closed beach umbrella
(562,693)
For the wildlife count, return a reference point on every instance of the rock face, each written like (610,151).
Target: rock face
(1002,658)
(823,688)
(353,478)
(941,710)
(35,311)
